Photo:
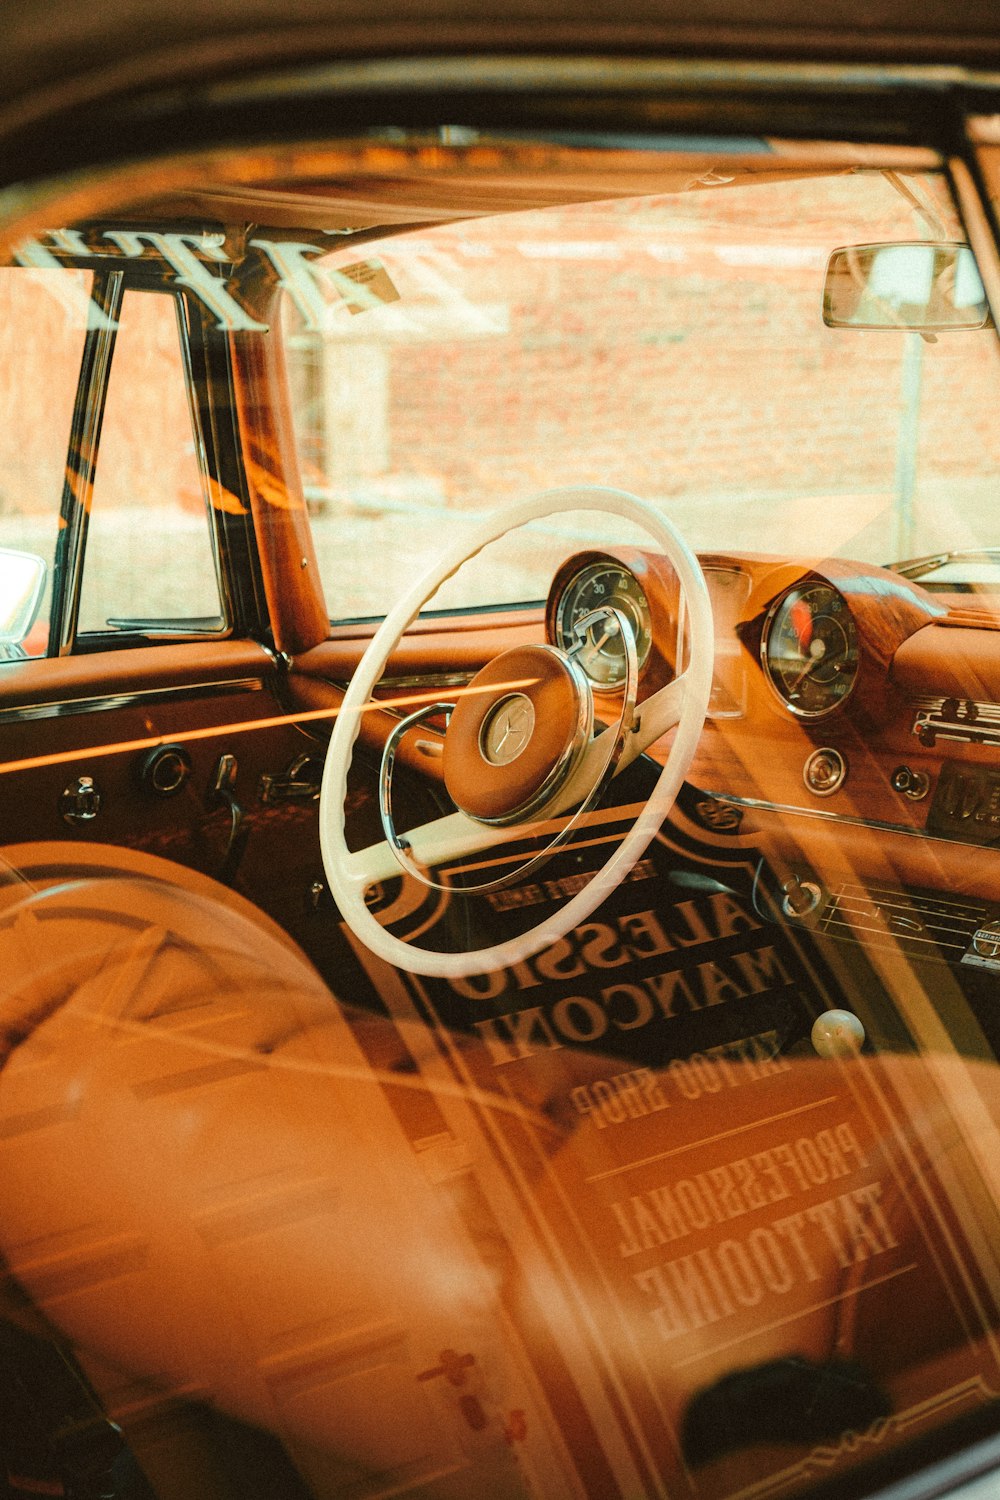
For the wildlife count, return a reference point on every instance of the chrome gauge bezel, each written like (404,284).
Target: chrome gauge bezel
(771,673)
(638,614)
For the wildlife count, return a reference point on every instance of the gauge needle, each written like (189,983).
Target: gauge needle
(802,623)
(609,627)
(817,651)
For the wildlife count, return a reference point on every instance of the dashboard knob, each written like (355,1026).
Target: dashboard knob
(838,1033)
(164,770)
(909,783)
(80,801)
(800,897)
(824,772)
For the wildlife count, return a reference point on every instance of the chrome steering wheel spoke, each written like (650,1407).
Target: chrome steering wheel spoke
(608,754)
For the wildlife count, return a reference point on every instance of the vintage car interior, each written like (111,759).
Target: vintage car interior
(499,712)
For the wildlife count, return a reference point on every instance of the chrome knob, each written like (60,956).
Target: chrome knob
(81,801)
(799,897)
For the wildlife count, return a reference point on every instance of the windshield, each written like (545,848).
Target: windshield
(671,345)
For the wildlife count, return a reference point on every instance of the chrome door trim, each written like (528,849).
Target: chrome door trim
(63,707)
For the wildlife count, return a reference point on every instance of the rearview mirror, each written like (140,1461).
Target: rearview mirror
(22,578)
(934,288)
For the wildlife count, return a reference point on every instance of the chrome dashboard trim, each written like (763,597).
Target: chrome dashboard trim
(63,708)
(969,722)
(827,816)
(983,710)
(879,913)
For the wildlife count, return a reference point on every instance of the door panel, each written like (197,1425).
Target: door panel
(109,716)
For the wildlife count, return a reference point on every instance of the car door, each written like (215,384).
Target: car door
(142,706)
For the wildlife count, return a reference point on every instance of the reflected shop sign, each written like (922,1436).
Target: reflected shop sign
(201,264)
(722,1235)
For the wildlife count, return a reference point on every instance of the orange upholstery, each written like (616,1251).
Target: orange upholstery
(205,1187)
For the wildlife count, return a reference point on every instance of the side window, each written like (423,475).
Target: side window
(43,325)
(150,557)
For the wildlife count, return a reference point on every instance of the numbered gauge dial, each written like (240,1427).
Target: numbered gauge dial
(602,654)
(810,649)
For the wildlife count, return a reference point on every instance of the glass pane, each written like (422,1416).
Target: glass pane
(673,346)
(149,545)
(43,324)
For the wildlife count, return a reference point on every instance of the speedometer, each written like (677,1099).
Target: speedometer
(810,649)
(602,654)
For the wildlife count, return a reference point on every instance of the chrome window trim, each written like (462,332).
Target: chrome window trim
(67,613)
(226,609)
(81,464)
(978,229)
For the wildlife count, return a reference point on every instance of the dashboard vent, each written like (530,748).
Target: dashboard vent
(923,926)
(960,719)
(971,617)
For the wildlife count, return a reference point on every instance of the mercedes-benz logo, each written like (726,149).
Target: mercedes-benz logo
(986,941)
(507,729)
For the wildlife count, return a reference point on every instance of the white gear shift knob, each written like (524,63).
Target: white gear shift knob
(838,1033)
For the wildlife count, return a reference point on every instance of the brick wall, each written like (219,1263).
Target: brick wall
(674,348)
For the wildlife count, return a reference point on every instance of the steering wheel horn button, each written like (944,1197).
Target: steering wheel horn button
(516,734)
(507,729)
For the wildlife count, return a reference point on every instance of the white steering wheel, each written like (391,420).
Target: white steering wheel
(683,704)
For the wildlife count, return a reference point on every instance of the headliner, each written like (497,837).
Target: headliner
(68,47)
(97,83)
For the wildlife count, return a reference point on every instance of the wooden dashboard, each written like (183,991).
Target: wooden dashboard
(906,729)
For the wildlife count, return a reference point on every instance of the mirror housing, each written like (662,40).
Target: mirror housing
(22,580)
(927,286)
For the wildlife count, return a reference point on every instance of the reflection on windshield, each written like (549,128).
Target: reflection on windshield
(701,1198)
(312,1217)
(673,346)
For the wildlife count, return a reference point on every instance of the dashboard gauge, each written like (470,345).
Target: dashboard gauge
(810,649)
(602,655)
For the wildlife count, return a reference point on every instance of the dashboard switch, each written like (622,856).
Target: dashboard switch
(165,770)
(910,783)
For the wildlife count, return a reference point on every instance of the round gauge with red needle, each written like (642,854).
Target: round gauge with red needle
(810,649)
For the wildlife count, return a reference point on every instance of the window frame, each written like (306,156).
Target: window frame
(83,458)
